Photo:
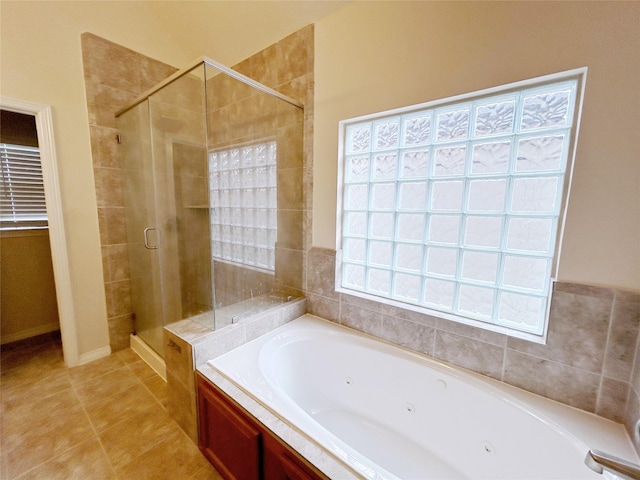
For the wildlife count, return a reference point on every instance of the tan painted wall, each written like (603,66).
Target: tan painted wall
(373,56)
(42,62)
(27,291)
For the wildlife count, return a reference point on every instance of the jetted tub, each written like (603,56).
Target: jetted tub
(392,414)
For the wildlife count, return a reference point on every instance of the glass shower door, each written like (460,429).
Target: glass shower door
(139,191)
(166,196)
(178,140)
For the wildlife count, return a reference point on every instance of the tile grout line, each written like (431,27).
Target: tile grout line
(95,432)
(146,387)
(605,354)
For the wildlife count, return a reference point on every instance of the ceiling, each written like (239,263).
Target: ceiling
(231,31)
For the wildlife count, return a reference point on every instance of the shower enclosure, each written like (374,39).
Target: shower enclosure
(213,198)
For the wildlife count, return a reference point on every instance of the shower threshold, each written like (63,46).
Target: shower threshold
(148,355)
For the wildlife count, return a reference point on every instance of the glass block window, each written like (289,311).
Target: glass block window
(456,207)
(243,190)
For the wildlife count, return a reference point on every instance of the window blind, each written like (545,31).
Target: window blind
(22,199)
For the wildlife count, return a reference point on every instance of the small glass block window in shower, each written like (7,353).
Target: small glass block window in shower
(243,195)
(455,207)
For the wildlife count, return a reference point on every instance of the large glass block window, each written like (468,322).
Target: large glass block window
(455,207)
(243,189)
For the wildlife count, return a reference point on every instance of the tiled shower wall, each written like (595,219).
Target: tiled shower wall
(114,77)
(240,115)
(288,67)
(591,360)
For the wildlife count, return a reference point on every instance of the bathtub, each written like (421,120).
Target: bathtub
(388,413)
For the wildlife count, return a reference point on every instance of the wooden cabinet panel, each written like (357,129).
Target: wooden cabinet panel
(240,447)
(227,438)
(281,463)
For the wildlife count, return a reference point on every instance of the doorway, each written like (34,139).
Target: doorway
(27,293)
(57,238)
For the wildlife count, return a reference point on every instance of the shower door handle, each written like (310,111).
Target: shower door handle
(148,245)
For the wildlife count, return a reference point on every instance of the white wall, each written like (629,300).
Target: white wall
(373,56)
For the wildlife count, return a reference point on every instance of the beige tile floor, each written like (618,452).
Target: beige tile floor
(103,420)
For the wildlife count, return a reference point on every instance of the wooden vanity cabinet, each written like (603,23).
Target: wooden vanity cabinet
(240,447)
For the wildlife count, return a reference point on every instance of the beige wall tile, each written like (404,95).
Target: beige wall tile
(290,188)
(468,353)
(181,405)
(106,269)
(104,147)
(219,343)
(109,64)
(411,335)
(586,290)
(298,89)
(152,72)
(468,331)
(120,328)
(577,335)
(263,66)
(323,307)
(289,265)
(118,298)
(320,273)
(118,259)
(294,54)
(179,360)
(289,231)
(564,383)
(623,340)
(290,147)
(102,225)
(103,101)
(115,225)
(360,319)
(613,394)
(632,419)
(108,187)
(410,315)
(261,325)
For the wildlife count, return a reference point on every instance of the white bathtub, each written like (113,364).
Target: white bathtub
(392,414)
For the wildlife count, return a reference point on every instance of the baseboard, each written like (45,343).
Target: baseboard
(29,332)
(146,353)
(94,355)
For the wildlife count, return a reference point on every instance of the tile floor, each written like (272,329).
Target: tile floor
(103,420)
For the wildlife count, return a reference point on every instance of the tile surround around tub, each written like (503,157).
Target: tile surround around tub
(591,360)
(193,345)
